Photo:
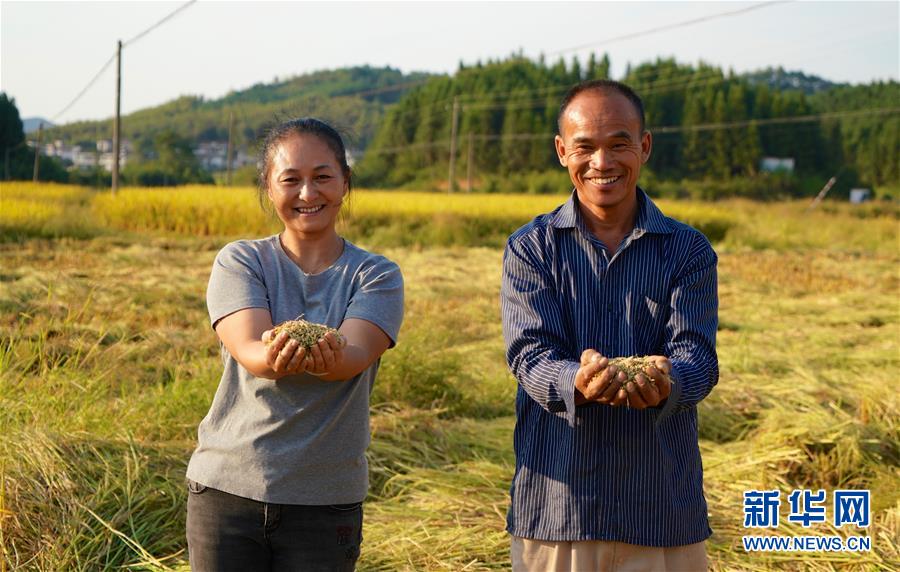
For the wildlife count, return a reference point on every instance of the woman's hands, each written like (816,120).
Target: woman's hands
(284,356)
(245,333)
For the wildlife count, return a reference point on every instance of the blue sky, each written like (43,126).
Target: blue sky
(50,50)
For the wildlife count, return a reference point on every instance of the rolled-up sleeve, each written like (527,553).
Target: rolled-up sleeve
(534,331)
(691,329)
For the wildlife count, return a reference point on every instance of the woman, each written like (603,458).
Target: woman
(279,475)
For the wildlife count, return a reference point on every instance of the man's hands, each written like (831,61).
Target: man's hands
(612,387)
(590,386)
(285,356)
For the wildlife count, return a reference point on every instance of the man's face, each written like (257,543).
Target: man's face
(603,148)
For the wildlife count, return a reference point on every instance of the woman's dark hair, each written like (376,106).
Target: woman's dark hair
(300,126)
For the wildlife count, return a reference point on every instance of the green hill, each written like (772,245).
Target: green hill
(352,98)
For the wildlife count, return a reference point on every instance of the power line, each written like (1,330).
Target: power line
(797,119)
(158,24)
(552,89)
(112,58)
(560,88)
(401,148)
(385,89)
(668,27)
(776,120)
(694,81)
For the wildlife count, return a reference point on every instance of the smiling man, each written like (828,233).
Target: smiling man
(608,470)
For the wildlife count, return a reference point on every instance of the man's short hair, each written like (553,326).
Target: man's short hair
(600,85)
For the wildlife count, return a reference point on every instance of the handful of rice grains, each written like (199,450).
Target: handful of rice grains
(306,333)
(632,366)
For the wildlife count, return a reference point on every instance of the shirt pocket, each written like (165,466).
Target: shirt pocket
(648,321)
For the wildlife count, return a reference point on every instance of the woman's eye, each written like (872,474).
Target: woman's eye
(323,177)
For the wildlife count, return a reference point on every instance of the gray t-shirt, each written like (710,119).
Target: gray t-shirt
(299,439)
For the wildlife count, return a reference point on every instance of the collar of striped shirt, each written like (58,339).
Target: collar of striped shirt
(649,219)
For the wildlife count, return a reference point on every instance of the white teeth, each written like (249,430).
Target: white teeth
(604,180)
(309,209)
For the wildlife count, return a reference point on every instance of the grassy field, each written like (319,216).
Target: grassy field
(107,365)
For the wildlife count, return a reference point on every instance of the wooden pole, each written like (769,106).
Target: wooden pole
(469,162)
(98,180)
(117,121)
(37,153)
(228,149)
(453,129)
(822,193)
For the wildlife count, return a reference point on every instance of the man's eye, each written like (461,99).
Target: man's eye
(323,177)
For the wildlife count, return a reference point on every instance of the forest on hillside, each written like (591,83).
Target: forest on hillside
(708,124)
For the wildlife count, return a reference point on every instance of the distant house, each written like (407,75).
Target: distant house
(777,165)
(858,196)
(106,157)
(213,156)
(81,158)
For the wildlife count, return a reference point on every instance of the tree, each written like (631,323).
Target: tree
(11,133)
(18,158)
(12,141)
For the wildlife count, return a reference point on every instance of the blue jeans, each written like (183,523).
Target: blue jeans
(228,532)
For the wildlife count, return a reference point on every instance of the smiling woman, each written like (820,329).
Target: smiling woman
(287,431)
(306,177)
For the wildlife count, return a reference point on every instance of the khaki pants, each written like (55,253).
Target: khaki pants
(600,556)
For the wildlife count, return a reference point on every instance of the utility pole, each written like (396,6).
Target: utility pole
(98,180)
(228,149)
(37,153)
(469,161)
(822,193)
(453,122)
(116,122)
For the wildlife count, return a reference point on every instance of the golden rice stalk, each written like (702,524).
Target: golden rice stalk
(306,333)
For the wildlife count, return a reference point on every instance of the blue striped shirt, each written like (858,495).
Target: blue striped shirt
(596,472)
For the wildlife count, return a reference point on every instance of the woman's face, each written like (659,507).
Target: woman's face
(306,184)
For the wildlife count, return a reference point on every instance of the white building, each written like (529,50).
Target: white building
(858,196)
(213,156)
(777,165)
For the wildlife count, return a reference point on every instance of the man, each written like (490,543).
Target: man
(608,472)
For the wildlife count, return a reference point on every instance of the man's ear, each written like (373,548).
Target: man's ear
(646,146)
(560,150)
